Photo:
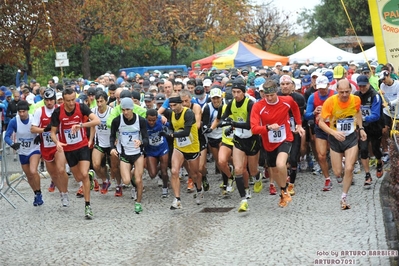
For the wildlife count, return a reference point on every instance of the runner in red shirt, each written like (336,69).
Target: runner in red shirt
(270,119)
(68,120)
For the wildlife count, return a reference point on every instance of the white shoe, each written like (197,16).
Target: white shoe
(199,197)
(134,194)
(176,204)
(316,169)
(356,168)
(64,199)
(165,192)
(248,193)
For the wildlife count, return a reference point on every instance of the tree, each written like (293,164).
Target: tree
(22,26)
(329,19)
(267,26)
(178,22)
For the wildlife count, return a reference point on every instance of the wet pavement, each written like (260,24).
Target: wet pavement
(312,229)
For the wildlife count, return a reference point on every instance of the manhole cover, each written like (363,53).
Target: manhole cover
(217,209)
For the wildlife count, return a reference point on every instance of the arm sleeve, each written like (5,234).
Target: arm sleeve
(12,127)
(220,110)
(114,113)
(309,108)
(114,128)
(86,111)
(144,132)
(246,124)
(375,110)
(166,104)
(296,112)
(189,120)
(206,116)
(55,118)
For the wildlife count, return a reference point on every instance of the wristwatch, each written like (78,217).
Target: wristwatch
(81,125)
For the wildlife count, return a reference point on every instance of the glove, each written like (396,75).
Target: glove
(228,131)
(206,130)
(164,134)
(227,122)
(16,146)
(37,140)
(47,128)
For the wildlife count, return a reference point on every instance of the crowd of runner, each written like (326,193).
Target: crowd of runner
(256,123)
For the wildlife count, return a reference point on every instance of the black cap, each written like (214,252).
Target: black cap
(199,91)
(125,94)
(239,84)
(146,84)
(91,91)
(365,68)
(160,98)
(136,95)
(148,97)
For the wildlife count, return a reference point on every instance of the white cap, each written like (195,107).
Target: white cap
(58,95)
(101,86)
(353,63)
(216,92)
(207,82)
(322,82)
(86,87)
(179,80)
(30,98)
(278,64)
(303,67)
(374,64)
(315,73)
(286,68)
(152,79)
(185,80)
(55,79)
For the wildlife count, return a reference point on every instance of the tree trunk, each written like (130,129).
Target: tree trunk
(28,60)
(86,61)
(173,53)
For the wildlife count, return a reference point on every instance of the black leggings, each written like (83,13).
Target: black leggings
(375,146)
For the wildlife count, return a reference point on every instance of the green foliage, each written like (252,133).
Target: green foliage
(7,75)
(329,19)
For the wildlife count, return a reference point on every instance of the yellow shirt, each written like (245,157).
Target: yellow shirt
(189,144)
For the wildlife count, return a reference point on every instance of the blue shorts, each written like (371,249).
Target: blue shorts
(320,134)
(157,151)
(24,159)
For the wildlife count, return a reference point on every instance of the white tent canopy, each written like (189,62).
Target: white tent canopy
(371,54)
(320,51)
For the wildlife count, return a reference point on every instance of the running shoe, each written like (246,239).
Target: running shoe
(290,189)
(160,181)
(91,176)
(251,180)
(303,164)
(165,192)
(327,185)
(272,189)
(258,186)
(96,185)
(339,179)
(230,184)
(356,168)
(243,206)
(105,186)
(380,171)
(344,204)
(51,188)
(368,181)
(205,183)
(385,158)
(64,199)
(176,204)
(38,200)
(248,193)
(316,169)
(199,197)
(118,191)
(285,198)
(79,194)
(372,162)
(138,208)
(41,168)
(134,193)
(190,185)
(88,212)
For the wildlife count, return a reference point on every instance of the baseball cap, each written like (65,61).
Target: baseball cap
(160,98)
(303,67)
(91,91)
(306,80)
(146,84)
(125,94)
(278,64)
(330,75)
(8,94)
(86,87)
(127,103)
(259,81)
(383,74)
(339,72)
(148,97)
(58,95)
(216,92)
(285,78)
(136,95)
(30,99)
(365,68)
(322,82)
(353,64)
(362,80)
(207,82)
(199,92)
(374,64)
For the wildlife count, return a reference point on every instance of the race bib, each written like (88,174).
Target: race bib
(277,136)
(47,141)
(365,110)
(102,126)
(72,138)
(347,126)
(25,143)
(156,140)
(183,141)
